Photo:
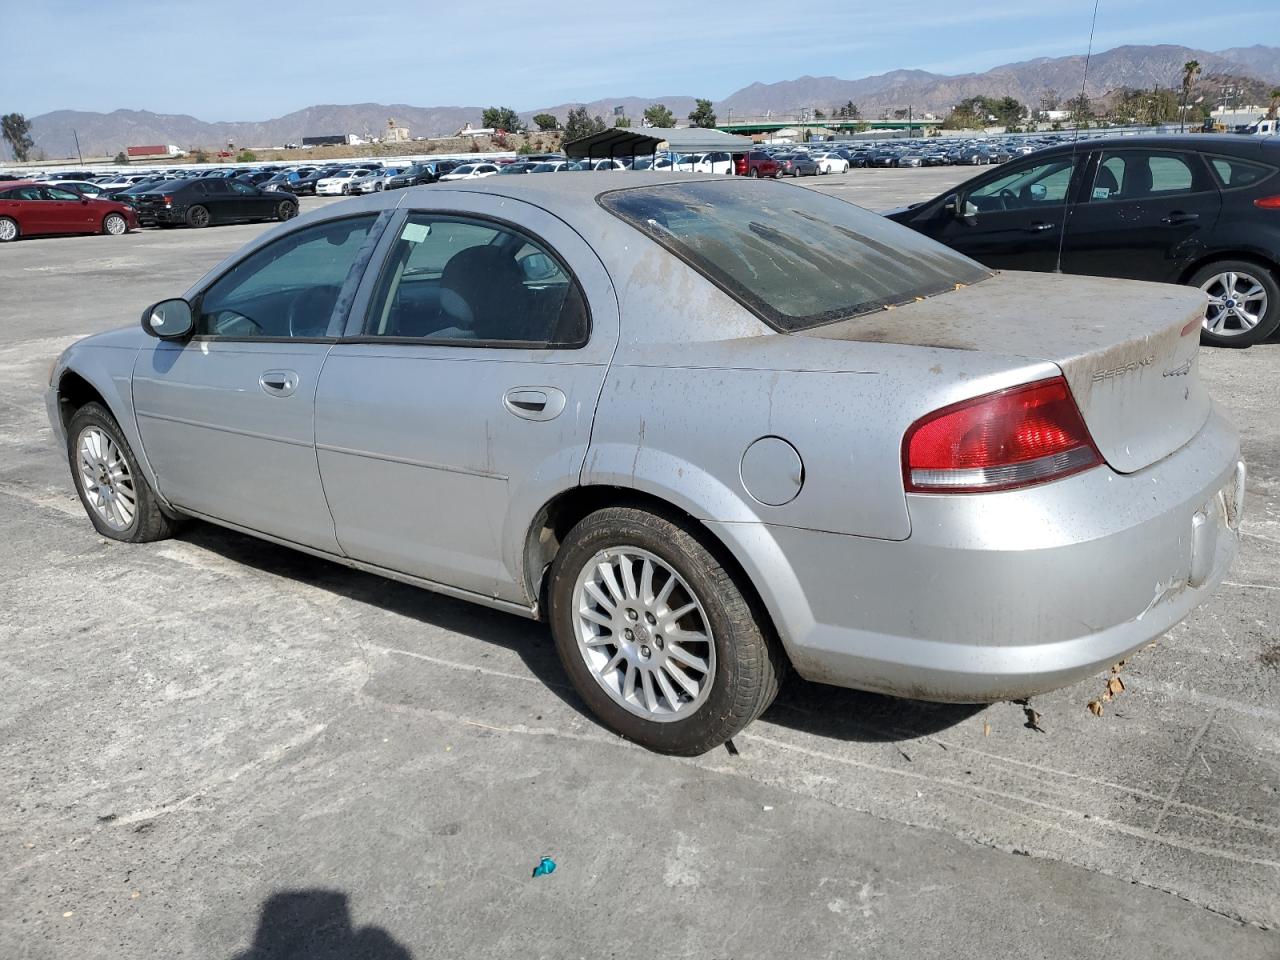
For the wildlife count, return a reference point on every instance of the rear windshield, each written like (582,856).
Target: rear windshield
(794,257)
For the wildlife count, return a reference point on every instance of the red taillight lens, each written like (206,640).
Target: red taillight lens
(1013,438)
(167,199)
(1268,203)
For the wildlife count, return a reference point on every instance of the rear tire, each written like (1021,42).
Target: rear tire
(753,173)
(8,229)
(741,665)
(1238,289)
(286,210)
(198,217)
(112,490)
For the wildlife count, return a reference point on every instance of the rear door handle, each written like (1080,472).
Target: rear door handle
(534,403)
(1178,217)
(1040,226)
(279,383)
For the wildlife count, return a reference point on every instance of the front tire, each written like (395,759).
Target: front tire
(114,225)
(8,229)
(112,489)
(1244,303)
(656,634)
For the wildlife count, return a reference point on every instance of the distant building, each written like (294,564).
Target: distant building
(395,134)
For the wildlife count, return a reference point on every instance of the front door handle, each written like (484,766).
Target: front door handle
(279,383)
(1178,217)
(1040,226)
(534,403)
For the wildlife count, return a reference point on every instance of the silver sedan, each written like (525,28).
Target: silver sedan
(711,429)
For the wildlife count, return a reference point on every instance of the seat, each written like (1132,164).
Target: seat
(482,289)
(1137,179)
(1105,180)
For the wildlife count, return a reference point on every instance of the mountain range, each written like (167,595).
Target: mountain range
(1028,81)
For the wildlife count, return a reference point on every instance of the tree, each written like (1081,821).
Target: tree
(848,112)
(659,116)
(581,124)
(702,115)
(121,158)
(1080,108)
(1190,70)
(1274,95)
(246,156)
(16,129)
(818,114)
(546,121)
(1049,100)
(622,121)
(501,118)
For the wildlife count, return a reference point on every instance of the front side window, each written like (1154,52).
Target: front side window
(464,282)
(57,194)
(287,289)
(794,257)
(1034,187)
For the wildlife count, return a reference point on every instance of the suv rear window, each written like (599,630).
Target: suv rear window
(1234,172)
(794,257)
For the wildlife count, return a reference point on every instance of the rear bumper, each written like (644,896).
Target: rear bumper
(1000,596)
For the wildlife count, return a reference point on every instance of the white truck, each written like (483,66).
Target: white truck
(1262,127)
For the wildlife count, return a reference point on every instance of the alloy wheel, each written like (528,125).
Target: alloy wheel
(115,224)
(1237,303)
(8,230)
(643,634)
(106,480)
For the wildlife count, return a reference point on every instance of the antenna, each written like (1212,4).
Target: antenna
(1066,206)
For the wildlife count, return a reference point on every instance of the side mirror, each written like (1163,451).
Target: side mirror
(169,319)
(961,209)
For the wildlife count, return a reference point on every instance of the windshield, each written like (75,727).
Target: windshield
(794,257)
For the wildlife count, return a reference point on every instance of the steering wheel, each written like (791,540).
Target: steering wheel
(310,310)
(1006,194)
(226,322)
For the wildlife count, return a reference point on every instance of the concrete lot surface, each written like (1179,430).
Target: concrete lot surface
(215,747)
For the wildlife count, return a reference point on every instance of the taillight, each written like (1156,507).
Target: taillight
(1268,203)
(1012,438)
(168,200)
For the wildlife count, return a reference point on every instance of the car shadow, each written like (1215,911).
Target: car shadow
(316,925)
(814,708)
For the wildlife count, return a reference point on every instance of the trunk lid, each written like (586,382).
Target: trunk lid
(1128,350)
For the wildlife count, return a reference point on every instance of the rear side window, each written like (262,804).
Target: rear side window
(794,257)
(459,282)
(1234,172)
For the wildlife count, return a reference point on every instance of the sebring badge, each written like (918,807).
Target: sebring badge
(1124,368)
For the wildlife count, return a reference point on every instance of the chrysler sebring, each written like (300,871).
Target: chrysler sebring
(710,429)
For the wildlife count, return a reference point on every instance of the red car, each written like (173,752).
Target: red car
(757,163)
(27,209)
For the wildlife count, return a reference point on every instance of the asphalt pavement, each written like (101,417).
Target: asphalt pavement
(216,747)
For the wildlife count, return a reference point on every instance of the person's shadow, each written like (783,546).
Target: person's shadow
(316,925)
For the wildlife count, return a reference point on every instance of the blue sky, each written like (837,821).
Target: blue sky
(237,60)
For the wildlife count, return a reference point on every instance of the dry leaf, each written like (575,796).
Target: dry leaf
(1095,707)
(986,728)
(1115,667)
(1033,719)
(1115,686)
(135,895)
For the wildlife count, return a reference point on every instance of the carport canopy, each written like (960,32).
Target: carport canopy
(626,142)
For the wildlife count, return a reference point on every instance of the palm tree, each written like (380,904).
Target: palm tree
(1190,70)
(1275,102)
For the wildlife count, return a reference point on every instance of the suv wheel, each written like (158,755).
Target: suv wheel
(1244,303)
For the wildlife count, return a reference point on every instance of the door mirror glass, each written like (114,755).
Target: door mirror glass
(1038,191)
(538,266)
(168,319)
